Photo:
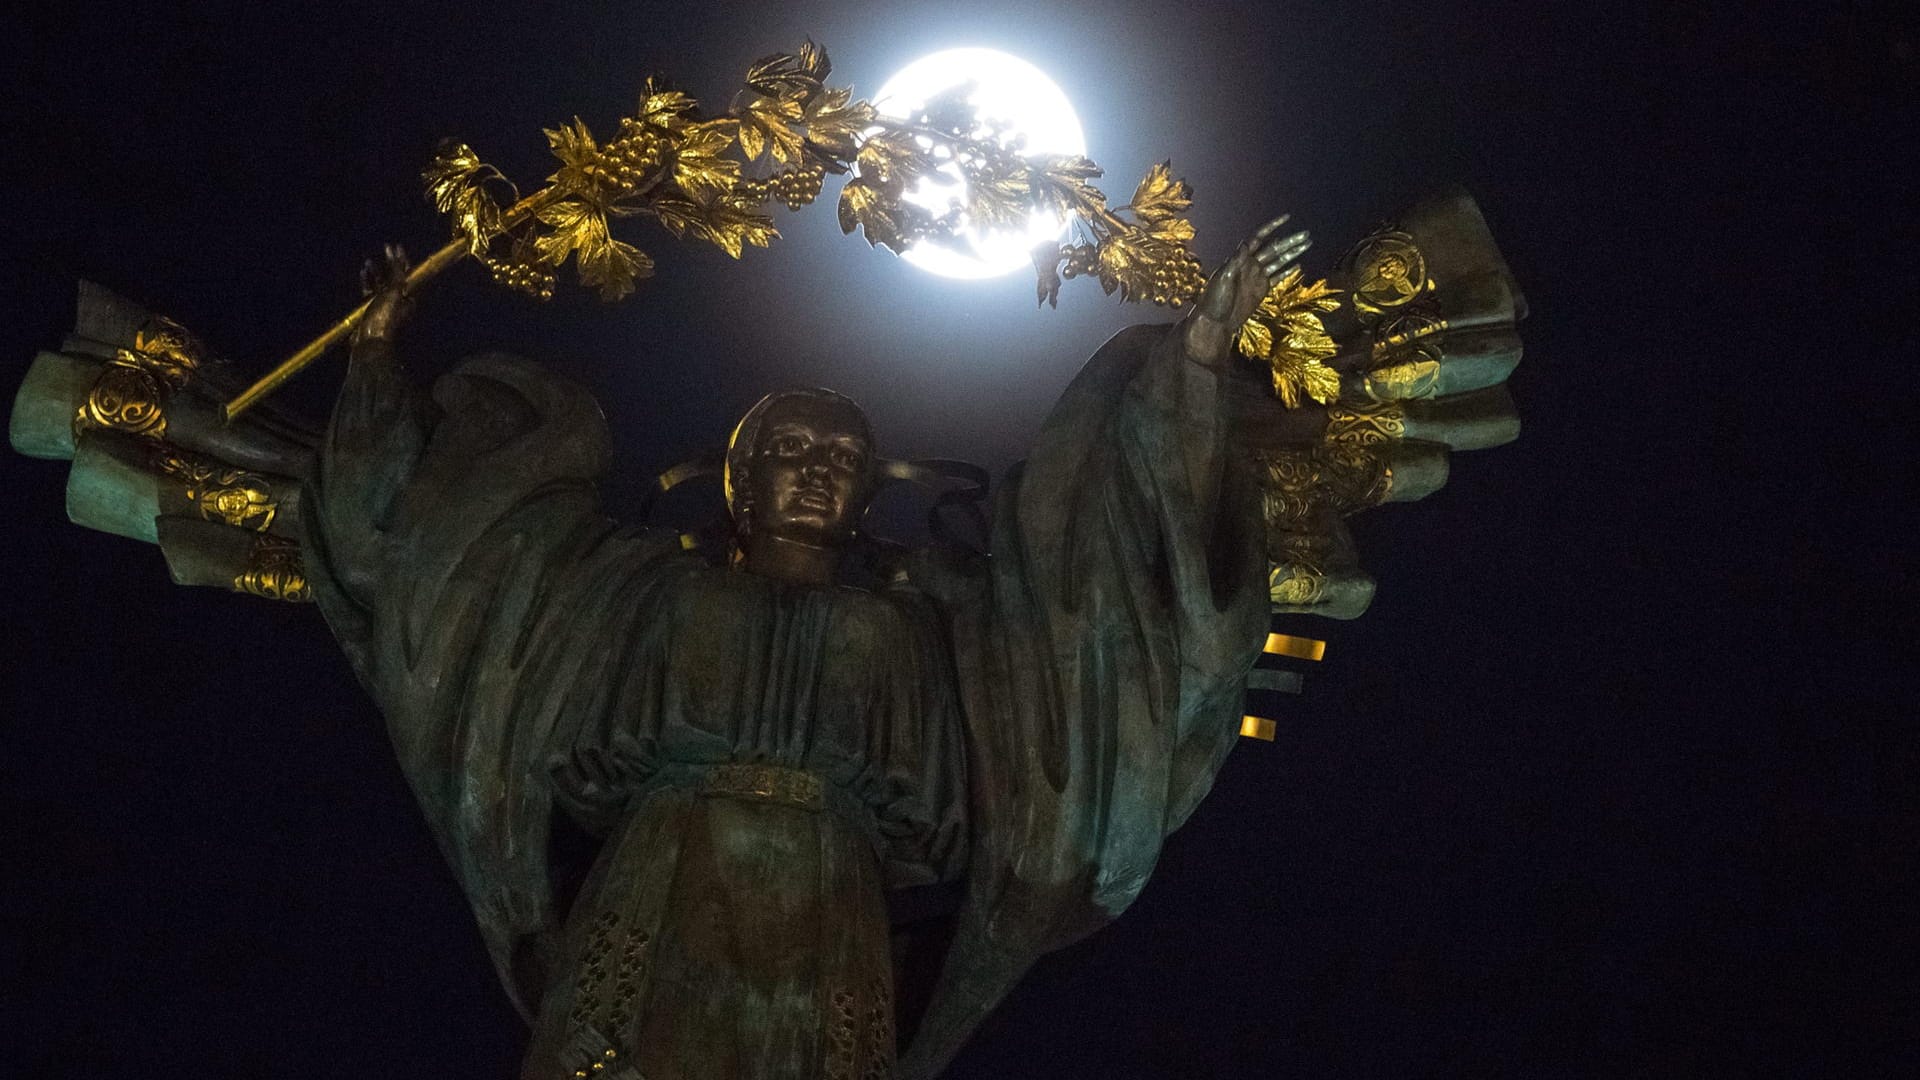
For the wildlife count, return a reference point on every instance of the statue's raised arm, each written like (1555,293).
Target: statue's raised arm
(1169,506)
(451,538)
(1103,657)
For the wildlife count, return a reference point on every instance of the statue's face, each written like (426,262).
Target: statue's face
(810,469)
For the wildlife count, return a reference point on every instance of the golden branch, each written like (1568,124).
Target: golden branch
(693,175)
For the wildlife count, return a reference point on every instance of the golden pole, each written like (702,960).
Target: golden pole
(318,347)
(315,349)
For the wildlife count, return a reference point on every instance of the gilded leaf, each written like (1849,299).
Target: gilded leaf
(1287,333)
(834,123)
(882,217)
(767,125)
(572,143)
(1171,230)
(1142,266)
(784,75)
(1323,383)
(1123,261)
(1000,196)
(579,156)
(613,267)
(576,225)
(1296,373)
(895,158)
(664,109)
(1254,339)
(1161,195)
(1073,168)
(453,168)
(814,61)
(1062,181)
(477,217)
(454,183)
(698,168)
(1289,295)
(733,223)
(676,214)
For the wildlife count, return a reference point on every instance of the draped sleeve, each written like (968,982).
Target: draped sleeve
(1102,652)
(458,552)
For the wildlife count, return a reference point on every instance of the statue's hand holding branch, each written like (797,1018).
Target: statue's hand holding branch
(384,282)
(1235,290)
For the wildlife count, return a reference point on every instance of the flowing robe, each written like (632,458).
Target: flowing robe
(763,760)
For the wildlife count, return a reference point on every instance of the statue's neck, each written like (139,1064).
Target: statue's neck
(790,561)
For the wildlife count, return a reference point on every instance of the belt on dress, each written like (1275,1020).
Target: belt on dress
(756,781)
(766,783)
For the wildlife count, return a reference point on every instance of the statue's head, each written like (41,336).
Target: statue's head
(800,469)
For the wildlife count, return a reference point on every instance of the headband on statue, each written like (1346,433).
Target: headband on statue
(957,487)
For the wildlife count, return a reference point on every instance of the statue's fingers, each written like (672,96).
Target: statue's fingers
(398,266)
(1261,234)
(1275,256)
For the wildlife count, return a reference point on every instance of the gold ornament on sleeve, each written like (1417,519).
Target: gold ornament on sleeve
(131,392)
(221,493)
(274,571)
(1366,425)
(1389,272)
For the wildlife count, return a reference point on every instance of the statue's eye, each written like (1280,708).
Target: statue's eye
(788,445)
(846,457)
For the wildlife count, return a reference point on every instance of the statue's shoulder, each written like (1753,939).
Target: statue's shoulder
(541,388)
(498,403)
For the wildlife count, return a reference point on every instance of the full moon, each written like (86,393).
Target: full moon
(1013,99)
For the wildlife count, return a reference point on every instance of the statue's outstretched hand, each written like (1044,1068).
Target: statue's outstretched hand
(1235,290)
(384,282)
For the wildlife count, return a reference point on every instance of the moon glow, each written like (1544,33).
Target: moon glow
(1013,99)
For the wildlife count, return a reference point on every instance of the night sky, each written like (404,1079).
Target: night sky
(1617,776)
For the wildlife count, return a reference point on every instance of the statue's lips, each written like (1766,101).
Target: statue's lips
(814,499)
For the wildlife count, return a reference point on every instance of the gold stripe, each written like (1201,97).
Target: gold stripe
(1300,648)
(1257,727)
(679,474)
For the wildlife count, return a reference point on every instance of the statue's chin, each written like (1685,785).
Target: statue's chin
(808,528)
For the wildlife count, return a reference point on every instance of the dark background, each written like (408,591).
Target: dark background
(1616,777)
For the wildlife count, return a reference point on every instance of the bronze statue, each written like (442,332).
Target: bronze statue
(762,750)
(765,738)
